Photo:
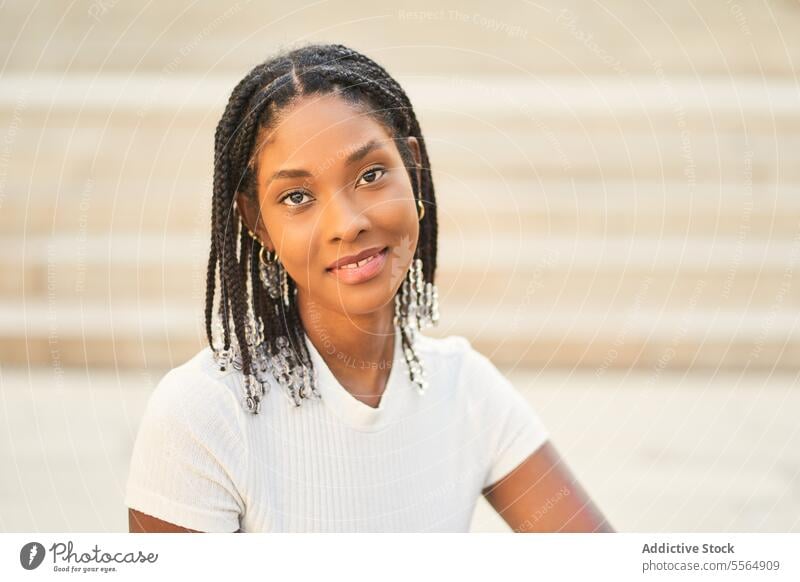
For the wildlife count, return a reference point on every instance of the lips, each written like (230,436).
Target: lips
(354,261)
(364,269)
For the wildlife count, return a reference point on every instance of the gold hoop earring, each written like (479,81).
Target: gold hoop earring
(421,209)
(270,259)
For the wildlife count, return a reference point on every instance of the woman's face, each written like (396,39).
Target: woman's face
(332,184)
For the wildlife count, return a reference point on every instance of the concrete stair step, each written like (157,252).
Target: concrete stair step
(147,101)
(618,209)
(615,38)
(739,288)
(472,150)
(547,272)
(93,131)
(163,335)
(609,208)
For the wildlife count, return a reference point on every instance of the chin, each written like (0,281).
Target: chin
(360,300)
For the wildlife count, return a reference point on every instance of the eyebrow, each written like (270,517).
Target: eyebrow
(359,153)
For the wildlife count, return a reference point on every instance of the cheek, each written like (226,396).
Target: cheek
(398,217)
(294,242)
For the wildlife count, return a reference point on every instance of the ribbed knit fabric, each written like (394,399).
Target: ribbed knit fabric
(416,463)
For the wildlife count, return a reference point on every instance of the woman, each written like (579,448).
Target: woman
(319,405)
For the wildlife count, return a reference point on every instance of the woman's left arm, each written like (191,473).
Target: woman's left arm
(542,495)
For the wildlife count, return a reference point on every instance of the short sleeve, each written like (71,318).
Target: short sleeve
(511,428)
(189,456)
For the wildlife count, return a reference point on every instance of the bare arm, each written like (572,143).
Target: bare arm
(542,495)
(139,522)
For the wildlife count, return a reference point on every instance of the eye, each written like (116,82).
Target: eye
(295,197)
(372,171)
(292,196)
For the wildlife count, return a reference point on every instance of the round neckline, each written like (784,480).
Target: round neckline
(347,407)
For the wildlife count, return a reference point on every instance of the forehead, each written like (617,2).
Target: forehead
(316,128)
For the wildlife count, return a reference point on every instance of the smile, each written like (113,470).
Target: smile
(360,263)
(363,270)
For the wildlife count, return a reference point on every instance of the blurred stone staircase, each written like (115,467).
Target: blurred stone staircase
(581,245)
(642,215)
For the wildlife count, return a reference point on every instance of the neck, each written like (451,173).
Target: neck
(358,349)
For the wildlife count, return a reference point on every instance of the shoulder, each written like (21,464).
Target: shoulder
(189,459)
(199,376)
(458,349)
(477,377)
(473,371)
(196,393)
(448,346)
(443,355)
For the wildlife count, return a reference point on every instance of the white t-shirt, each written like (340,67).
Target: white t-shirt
(417,462)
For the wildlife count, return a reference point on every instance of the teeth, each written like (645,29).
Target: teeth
(360,263)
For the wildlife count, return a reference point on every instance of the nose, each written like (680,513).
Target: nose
(344,218)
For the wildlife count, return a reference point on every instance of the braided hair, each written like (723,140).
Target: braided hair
(253,108)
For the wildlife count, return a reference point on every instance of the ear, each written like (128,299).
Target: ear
(414,145)
(251,216)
